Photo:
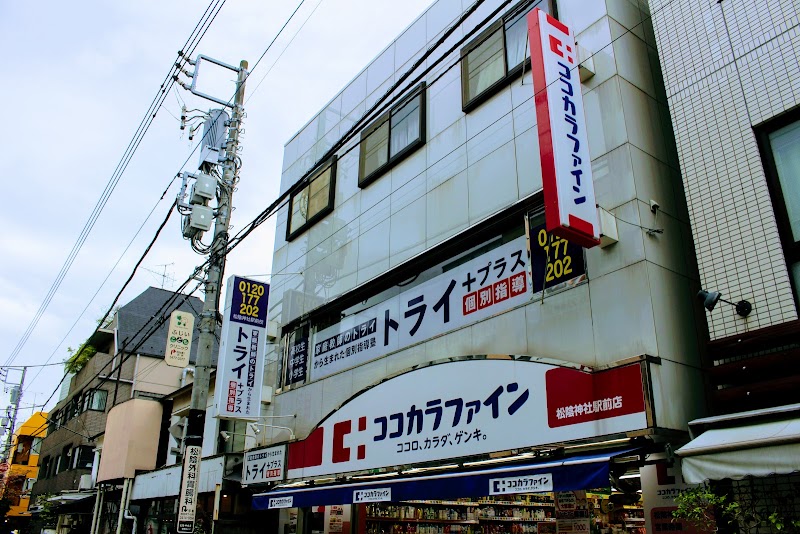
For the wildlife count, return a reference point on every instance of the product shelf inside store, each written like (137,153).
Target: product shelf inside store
(414,520)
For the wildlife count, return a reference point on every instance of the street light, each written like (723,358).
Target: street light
(710,299)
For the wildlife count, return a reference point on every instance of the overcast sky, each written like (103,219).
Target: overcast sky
(76,79)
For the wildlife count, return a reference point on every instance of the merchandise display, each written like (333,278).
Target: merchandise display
(517,514)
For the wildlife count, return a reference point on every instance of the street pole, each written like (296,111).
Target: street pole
(208,318)
(7,453)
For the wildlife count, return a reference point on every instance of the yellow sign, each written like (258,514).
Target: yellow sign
(179,338)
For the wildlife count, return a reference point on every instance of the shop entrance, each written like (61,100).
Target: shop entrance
(577,495)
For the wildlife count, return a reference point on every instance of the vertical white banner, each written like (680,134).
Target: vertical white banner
(570,209)
(240,367)
(187,502)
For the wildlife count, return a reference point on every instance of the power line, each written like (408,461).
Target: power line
(144,126)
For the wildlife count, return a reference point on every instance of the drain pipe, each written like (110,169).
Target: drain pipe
(129,515)
(123,503)
(186,370)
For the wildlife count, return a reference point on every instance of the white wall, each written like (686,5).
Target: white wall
(640,294)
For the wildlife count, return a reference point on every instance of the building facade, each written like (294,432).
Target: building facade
(128,365)
(428,319)
(24,468)
(735,108)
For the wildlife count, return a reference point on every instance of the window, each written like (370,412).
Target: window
(495,57)
(392,137)
(782,159)
(44,472)
(83,457)
(36,446)
(63,461)
(96,400)
(313,201)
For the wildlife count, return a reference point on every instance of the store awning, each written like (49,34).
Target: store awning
(579,472)
(758,449)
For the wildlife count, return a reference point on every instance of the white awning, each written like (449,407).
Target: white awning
(758,449)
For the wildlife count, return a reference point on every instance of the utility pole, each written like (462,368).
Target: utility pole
(16,396)
(208,318)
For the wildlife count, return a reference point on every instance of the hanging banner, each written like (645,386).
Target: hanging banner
(570,209)
(479,288)
(298,361)
(425,415)
(179,338)
(240,368)
(264,465)
(187,501)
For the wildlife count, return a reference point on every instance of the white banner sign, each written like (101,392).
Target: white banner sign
(179,338)
(240,369)
(465,408)
(263,465)
(569,203)
(372,495)
(187,501)
(484,286)
(523,484)
(280,502)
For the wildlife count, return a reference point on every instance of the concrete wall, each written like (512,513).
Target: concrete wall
(728,67)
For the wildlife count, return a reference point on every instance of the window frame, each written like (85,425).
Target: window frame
(91,395)
(510,74)
(790,246)
(420,92)
(330,163)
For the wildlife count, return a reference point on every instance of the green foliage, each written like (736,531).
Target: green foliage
(708,511)
(47,510)
(79,358)
(701,507)
(109,319)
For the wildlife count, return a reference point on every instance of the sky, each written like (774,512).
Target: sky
(76,80)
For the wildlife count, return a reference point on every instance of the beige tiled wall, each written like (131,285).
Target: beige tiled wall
(730,66)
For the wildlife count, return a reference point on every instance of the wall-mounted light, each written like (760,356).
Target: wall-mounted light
(710,299)
(254,427)
(226,436)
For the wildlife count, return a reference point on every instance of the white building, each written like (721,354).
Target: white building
(410,261)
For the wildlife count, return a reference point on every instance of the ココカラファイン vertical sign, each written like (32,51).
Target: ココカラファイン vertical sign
(240,367)
(570,210)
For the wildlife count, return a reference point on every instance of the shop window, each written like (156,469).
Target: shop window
(313,201)
(780,144)
(392,137)
(496,56)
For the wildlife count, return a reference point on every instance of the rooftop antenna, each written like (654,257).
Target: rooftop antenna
(164,276)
